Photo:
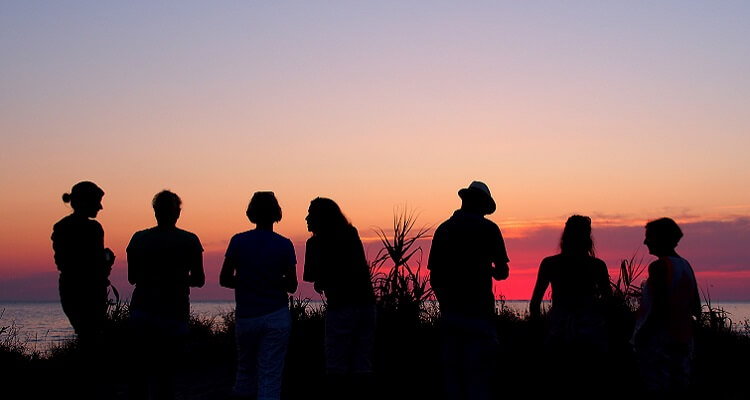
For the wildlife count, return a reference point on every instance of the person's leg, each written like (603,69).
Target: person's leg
(362,378)
(274,343)
(339,349)
(139,362)
(248,332)
(451,357)
(364,340)
(480,358)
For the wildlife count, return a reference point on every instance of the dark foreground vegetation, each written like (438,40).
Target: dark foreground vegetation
(407,361)
(406,357)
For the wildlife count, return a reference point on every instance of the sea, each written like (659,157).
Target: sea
(41,325)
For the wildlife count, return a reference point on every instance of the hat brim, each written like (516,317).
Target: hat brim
(487,203)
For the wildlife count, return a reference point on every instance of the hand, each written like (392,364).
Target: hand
(500,272)
(109,257)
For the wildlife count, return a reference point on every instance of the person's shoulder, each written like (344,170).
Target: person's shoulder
(140,236)
(240,237)
(352,232)
(446,224)
(62,223)
(142,233)
(598,262)
(490,225)
(553,259)
(280,238)
(187,234)
(658,266)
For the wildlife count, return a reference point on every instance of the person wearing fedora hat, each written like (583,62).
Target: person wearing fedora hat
(467,253)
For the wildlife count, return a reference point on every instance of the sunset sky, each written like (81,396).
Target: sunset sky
(623,111)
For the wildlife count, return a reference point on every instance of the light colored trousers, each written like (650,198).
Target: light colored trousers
(262,344)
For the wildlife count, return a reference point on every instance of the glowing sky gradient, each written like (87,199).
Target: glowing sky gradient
(624,111)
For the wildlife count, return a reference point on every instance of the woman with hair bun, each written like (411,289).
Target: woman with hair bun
(84,264)
(83,261)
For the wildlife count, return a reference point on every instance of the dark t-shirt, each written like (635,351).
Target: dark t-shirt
(160,263)
(464,249)
(337,264)
(78,243)
(262,259)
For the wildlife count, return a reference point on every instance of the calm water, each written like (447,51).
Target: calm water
(42,324)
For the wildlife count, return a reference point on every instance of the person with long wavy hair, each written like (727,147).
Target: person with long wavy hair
(335,263)
(577,335)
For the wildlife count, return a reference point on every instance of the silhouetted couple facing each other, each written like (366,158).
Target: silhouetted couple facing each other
(260,265)
(577,339)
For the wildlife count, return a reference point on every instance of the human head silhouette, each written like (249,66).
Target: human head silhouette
(576,237)
(324,215)
(85,198)
(662,236)
(477,198)
(167,207)
(263,208)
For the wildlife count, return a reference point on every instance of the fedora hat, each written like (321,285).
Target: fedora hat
(479,192)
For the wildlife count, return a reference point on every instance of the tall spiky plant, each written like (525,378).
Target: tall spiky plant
(401,286)
(626,291)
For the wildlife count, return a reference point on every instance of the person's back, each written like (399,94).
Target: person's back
(260,266)
(161,260)
(163,263)
(261,258)
(578,282)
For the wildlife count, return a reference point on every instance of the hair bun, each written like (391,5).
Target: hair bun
(66,197)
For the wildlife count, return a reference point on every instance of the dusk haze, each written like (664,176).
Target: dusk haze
(621,111)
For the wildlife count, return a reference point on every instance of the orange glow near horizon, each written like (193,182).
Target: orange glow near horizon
(558,116)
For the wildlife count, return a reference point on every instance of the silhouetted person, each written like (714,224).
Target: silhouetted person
(663,336)
(260,265)
(577,334)
(163,263)
(467,253)
(84,264)
(336,264)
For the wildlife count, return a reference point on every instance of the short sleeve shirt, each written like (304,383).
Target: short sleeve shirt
(159,264)
(262,259)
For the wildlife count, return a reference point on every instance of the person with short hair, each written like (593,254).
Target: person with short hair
(664,334)
(164,262)
(467,253)
(260,265)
